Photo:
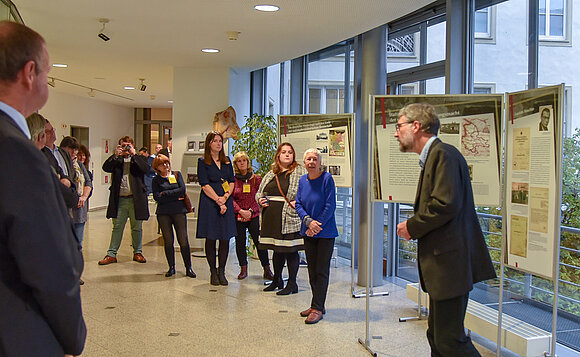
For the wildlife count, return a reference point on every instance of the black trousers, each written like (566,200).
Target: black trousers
(223,250)
(179,222)
(254,227)
(445,332)
(318,255)
(293,259)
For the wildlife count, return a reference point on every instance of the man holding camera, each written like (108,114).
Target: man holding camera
(127,199)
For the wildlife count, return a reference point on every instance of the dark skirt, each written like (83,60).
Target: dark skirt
(271,236)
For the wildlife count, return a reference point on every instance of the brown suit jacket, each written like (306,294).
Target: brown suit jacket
(452,251)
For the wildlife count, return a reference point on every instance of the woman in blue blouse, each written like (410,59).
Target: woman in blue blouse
(168,190)
(215,216)
(315,205)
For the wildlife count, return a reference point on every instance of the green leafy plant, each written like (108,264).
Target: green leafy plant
(258,140)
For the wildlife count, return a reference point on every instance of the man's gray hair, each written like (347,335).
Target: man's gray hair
(425,114)
(313,151)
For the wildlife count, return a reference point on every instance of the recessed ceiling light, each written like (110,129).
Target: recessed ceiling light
(170,101)
(210,50)
(267,8)
(128,87)
(60,65)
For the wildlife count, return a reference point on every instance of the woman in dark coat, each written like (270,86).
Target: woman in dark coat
(215,219)
(168,190)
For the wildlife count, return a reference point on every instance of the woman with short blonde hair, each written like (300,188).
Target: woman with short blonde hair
(247,214)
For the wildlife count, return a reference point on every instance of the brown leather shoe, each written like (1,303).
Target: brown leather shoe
(268,275)
(139,258)
(308,311)
(243,273)
(314,317)
(107,260)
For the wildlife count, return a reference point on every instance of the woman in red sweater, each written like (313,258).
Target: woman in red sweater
(247,213)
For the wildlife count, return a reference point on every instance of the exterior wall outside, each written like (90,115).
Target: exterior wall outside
(104,120)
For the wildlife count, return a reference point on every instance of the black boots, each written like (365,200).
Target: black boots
(275,284)
(222,276)
(170,272)
(213,280)
(291,288)
(189,272)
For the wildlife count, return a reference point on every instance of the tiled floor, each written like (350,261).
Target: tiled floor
(131,309)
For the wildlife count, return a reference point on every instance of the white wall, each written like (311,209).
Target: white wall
(199,93)
(103,120)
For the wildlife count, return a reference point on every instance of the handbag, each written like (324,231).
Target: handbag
(186,200)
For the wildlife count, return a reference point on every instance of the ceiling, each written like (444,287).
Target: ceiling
(148,38)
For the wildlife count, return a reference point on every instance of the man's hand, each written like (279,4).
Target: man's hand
(118,151)
(65,182)
(402,231)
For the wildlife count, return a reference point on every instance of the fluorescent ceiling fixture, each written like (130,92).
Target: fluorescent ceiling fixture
(60,65)
(170,101)
(210,50)
(128,87)
(267,8)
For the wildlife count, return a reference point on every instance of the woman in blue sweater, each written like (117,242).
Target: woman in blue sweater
(168,190)
(315,205)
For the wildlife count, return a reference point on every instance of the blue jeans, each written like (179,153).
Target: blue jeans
(126,210)
(80,231)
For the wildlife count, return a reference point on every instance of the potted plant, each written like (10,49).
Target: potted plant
(258,139)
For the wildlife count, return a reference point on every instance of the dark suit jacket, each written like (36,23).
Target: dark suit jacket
(452,252)
(40,264)
(138,168)
(69,194)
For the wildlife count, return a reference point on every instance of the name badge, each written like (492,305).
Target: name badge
(246,188)
(226,186)
(172,179)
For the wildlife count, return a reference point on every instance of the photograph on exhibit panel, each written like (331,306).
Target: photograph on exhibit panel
(532,163)
(471,123)
(329,133)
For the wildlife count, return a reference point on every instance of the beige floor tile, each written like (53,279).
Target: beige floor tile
(132,309)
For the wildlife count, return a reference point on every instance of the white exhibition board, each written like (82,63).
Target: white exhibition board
(532,189)
(472,123)
(331,134)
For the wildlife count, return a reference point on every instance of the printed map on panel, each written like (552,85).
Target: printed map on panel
(475,137)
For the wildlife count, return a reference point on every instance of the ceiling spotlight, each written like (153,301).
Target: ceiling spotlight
(101,34)
(152,97)
(142,86)
(267,8)
(92,93)
(51,82)
(210,50)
